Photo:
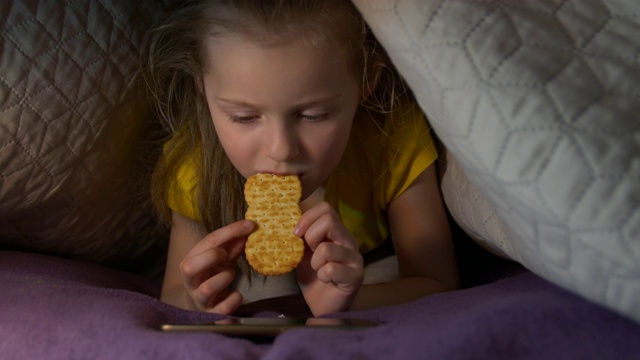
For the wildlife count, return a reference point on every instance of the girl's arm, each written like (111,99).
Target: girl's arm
(185,233)
(423,245)
(200,266)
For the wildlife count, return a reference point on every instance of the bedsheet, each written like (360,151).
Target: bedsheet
(60,309)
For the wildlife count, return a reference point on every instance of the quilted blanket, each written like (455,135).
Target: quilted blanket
(52,308)
(539,103)
(75,130)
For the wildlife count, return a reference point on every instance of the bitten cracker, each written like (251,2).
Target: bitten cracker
(272,249)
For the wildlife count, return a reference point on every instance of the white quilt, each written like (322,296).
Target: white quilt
(539,101)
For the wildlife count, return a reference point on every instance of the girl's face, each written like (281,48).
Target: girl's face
(281,107)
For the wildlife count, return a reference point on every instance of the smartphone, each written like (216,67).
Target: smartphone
(267,327)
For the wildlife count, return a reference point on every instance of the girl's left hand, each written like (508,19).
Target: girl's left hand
(331,271)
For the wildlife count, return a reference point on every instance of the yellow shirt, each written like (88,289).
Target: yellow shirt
(377,167)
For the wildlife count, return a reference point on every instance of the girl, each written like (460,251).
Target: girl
(292,87)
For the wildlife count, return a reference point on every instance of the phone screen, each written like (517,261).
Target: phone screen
(257,326)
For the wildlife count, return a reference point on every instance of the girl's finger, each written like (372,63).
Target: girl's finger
(224,235)
(209,292)
(197,268)
(341,275)
(329,228)
(235,248)
(328,252)
(228,305)
(322,222)
(310,216)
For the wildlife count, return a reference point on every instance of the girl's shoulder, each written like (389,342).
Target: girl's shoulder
(183,178)
(405,129)
(396,148)
(405,122)
(382,159)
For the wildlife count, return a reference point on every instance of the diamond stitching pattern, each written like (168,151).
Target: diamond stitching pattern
(70,115)
(538,100)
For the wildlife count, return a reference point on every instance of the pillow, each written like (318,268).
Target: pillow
(472,211)
(539,102)
(74,125)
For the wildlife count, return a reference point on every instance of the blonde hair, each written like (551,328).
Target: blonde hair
(174,58)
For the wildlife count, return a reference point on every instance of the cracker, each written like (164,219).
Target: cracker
(272,249)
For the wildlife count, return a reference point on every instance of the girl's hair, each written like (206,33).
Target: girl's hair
(174,59)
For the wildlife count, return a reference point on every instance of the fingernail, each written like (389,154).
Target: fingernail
(247,224)
(297,231)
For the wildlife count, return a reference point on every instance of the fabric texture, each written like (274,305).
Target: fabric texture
(74,127)
(378,165)
(60,309)
(472,210)
(539,103)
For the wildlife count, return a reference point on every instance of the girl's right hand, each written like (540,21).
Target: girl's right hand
(208,269)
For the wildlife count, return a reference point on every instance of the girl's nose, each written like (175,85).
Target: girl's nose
(281,142)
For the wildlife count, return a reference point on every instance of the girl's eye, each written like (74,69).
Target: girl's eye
(243,119)
(314,117)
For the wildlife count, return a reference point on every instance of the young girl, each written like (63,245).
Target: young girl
(292,87)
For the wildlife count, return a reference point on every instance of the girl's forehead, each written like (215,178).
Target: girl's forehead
(265,41)
(272,39)
(317,34)
(288,66)
(284,47)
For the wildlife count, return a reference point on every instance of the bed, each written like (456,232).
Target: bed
(537,105)
(54,308)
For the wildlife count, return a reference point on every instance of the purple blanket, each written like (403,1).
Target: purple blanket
(52,308)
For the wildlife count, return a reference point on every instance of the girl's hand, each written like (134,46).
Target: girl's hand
(331,271)
(209,268)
